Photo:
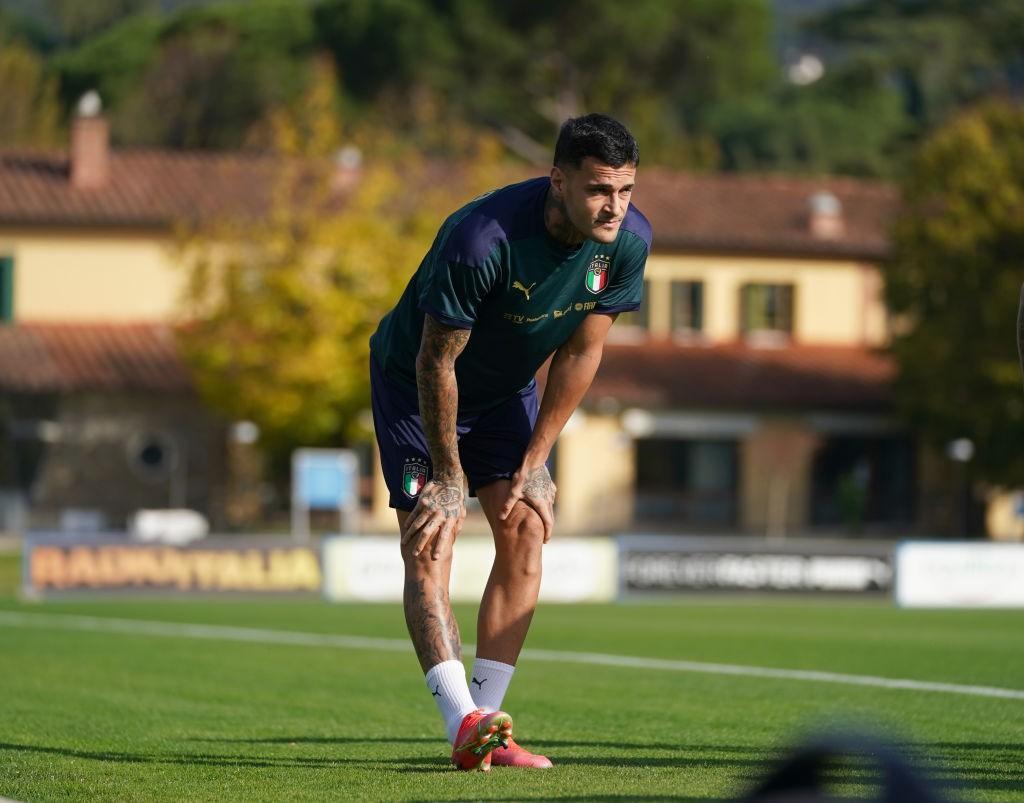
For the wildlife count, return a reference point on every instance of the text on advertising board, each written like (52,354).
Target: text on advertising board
(80,567)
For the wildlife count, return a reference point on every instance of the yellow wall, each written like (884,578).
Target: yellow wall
(835,302)
(72,275)
(595,475)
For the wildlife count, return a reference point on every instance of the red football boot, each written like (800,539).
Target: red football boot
(479,733)
(512,755)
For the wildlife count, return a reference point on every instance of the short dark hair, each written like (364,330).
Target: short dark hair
(598,136)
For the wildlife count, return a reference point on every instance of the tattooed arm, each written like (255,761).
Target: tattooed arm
(572,370)
(441,506)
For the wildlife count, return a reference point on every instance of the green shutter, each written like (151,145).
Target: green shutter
(6,289)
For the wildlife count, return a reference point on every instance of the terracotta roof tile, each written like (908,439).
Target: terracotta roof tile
(668,375)
(764,214)
(59,358)
(149,188)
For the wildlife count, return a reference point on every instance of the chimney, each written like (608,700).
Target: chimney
(90,144)
(826,216)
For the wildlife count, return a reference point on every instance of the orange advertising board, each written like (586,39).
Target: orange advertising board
(211,566)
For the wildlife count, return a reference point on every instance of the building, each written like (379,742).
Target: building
(98,417)
(749,394)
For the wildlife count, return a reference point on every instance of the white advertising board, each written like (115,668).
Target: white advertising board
(960,575)
(369,569)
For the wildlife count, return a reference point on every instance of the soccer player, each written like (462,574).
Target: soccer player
(533,269)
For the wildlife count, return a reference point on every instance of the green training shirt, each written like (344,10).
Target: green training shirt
(495,269)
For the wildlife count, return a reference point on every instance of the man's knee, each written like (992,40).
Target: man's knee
(519,541)
(424,564)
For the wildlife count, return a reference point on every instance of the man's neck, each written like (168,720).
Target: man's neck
(556,221)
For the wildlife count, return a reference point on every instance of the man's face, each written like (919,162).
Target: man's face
(595,196)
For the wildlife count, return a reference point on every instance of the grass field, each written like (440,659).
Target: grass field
(98,714)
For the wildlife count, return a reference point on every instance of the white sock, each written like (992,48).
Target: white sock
(447,684)
(489,682)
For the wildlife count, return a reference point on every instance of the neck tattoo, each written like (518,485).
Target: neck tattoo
(556,220)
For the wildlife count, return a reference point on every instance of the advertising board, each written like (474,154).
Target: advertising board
(660,564)
(57,564)
(959,575)
(369,568)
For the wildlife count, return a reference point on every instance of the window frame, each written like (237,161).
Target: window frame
(772,329)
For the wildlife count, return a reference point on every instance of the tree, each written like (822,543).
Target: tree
(953,281)
(940,54)
(199,78)
(29,110)
(522,67)
(78,20)
(279,310)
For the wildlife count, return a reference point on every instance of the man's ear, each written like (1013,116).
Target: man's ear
(558,179)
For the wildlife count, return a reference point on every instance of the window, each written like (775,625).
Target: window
(687,482)
(6,289)
(766,308)
(858,481)
(687,306)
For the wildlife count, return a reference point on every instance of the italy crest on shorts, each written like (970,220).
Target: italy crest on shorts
(414,476)
(597,274)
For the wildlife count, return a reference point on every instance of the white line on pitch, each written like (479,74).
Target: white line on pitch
(143,627)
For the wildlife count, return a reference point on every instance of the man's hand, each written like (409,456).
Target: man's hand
(534,487)
(437,517)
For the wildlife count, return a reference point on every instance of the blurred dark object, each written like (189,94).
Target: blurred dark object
(1020,329)
(806,774)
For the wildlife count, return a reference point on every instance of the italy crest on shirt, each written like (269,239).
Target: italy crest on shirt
(414,477)
(597,273)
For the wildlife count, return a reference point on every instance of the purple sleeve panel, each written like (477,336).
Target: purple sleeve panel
(447,320)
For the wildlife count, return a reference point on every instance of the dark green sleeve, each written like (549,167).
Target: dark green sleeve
(626,287)
(452,292)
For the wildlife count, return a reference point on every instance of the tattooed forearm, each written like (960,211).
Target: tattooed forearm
(538,484)
(439,395)
(432,626)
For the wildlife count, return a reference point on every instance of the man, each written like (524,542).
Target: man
(532,269)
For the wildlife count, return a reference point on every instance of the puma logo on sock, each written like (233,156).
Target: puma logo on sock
(480,683)
(437,691)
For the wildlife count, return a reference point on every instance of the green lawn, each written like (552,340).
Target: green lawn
(123,716)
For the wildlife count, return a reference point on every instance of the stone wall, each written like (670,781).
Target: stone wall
(113,454)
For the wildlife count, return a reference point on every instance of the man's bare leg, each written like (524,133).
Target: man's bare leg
(428,612)
(510,597)
(506,609)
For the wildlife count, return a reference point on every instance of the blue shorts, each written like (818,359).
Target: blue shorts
(491,443)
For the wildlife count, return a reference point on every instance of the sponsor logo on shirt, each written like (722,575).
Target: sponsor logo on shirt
(414,476)
(597,273)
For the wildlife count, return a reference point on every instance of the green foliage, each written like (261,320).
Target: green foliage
(845,123)
(198,79)
(29,110)
(77,20)
(942,54)
(528,65)
(954,280)
(110,62)
(697,80)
